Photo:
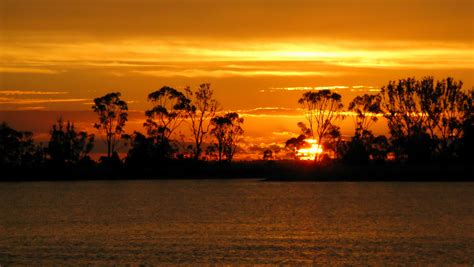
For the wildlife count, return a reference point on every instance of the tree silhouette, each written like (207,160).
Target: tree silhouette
(362,148)
(468,128)
(142,152)
(66,145)
(359,148)
(227,130)
(322,109)
(16,147)
(366,109)
(112,112)
(424,117)
(447,107)
(401,107)
(200,112)
(165,117)
(304,129)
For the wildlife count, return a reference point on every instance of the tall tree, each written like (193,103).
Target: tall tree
(167,114)
(200,112)
(66,145)
(366,109)
(322,109)
(227,129)
(112,112)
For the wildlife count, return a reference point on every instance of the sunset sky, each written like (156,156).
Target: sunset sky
(258,55)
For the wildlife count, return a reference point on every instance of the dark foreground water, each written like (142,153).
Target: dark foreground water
(235,222)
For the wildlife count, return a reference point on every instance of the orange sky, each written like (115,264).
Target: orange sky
(259,55)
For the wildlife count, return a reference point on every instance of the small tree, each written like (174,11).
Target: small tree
(112,112)
(200,112)
(66,145)
(322,109)
(16,147)
(227,130)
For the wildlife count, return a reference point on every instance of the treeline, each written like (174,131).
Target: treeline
(428,121)
(170,108)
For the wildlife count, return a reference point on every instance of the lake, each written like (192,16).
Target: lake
(235,222)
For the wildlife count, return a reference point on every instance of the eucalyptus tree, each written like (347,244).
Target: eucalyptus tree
(322,109)
(112,116)
(167,114)
(201,110)
(227,129)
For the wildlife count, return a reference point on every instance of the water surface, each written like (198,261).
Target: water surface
(235,221)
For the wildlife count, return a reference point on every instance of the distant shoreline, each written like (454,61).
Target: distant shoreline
(278,171)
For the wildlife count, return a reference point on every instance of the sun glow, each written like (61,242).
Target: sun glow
(310,151)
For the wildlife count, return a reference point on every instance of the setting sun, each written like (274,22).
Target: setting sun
(310,151)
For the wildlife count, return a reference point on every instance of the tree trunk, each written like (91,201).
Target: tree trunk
(109,144)
(197,151)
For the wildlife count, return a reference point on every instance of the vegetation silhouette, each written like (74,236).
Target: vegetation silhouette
(66,145)
(112,113)
(17,148)
(426,119)
(364,146)
(431,127)
(227,130)
(201,110)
